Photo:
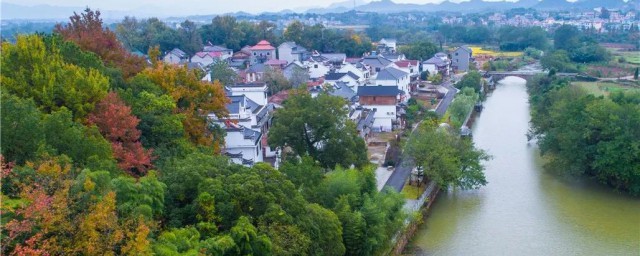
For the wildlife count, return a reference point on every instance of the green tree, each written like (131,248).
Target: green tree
(30,71)
(288,240)
(324,229)
(558,60)
(190,40)
(142,197)
(183,241)
(566,37)
(294,32)
(83,144)
(446,158)
(353,227)
(587,135)
(299,77)
(183,177)
(419,50)
(23,119)
(472,79)
(275,80)
(222,72)
(161,128)
(424,75)
(223,30)
(461,106)
(435,79)
(304,173)
(318,127)
(247,239)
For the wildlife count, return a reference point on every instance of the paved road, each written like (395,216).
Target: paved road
(442,108)
(404,167)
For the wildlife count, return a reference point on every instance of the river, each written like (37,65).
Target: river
(525,210)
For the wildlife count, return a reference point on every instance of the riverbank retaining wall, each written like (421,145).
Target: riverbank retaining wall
(424,204)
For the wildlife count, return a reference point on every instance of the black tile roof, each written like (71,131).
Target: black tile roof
(378,91)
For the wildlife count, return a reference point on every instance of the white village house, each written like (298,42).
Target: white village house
(262,52)
(247,124)
(392,76)
(383,100)
(290,52)
(206,58)
(175,56)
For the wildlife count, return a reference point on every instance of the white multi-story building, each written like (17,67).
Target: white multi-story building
(392,76)
(247,123)
(290,52)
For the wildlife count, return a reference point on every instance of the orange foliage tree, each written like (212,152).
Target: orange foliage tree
(49,221)
(195,99)
(86,30)
(118,125)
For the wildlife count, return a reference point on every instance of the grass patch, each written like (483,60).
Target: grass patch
(631,57)
(412,192)
(604,88)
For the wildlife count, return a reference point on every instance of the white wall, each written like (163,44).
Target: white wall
(171,58)
(345,79)
(431,68)
(350,67)
(383,117)
(317,70)
(257,94)
(236,143)
(270,54)
(402,83)
(284,53)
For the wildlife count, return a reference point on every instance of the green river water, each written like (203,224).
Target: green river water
(525,210)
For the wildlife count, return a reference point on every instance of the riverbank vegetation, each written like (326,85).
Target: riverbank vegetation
(581,134)
(446,158)
(577,51)
(471,87)
(102,155)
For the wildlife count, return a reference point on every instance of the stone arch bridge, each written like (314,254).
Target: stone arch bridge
(495,76)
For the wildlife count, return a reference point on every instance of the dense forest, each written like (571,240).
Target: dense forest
(104,153)
(585,135)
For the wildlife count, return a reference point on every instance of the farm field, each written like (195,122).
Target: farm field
(480,50)
(604,88)
(631,57)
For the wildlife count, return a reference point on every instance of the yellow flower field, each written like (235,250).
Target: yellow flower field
(479,50)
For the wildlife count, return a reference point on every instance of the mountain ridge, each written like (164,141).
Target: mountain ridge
(388,6)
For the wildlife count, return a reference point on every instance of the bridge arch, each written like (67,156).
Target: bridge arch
(496,76)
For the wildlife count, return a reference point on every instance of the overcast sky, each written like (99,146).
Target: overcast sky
(201,6)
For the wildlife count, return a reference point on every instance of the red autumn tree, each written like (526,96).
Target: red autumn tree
(118,125)
(86,30)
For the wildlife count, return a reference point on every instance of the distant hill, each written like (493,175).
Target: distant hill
(388,6)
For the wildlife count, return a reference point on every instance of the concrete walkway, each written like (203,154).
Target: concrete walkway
(382,175)
(403,169)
